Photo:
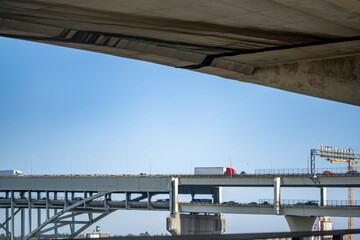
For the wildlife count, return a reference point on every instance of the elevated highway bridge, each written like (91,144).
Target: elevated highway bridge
(307,47)
(63,199)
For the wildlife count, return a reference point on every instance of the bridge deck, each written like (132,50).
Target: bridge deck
(162,183)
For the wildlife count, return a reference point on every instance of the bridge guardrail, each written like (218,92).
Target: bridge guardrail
(308,202)
(299,171)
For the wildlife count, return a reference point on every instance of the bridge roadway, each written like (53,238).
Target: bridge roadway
(161,183)
(69,196)
(193,208)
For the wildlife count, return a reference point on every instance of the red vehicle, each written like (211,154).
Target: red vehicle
(214,171)
(230,171)
(328,173)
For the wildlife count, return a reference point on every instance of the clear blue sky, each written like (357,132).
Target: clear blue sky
(65,111)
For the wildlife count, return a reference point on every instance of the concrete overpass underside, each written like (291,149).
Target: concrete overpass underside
(310,47)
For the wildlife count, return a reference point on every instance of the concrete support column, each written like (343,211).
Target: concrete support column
(192,196)
(185,224)
(323,196)
(127,199)
(277,195)
(106,196)
(66,203)
(218,195)
(299,223)
(149,200)
(174,191)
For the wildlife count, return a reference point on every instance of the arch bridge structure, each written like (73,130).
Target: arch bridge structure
(76,202)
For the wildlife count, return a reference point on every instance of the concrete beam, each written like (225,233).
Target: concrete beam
(336,79)
(268,181)
(187,184)
(87,183)
(305,211)
(306,48)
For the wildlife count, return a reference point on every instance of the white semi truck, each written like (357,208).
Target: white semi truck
(214,171)
(11,173)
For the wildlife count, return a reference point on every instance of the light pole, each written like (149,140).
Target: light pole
(150,161)
(127,166)
(231,156)
(70,165)
(31,164)
(87,163)
(190,165)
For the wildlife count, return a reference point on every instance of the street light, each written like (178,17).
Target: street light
(69,159)
(150,161)
(87,163)
(127,166)
(31,164)
(231,156)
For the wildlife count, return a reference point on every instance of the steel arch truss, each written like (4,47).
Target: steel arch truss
(68,215)
(5,224)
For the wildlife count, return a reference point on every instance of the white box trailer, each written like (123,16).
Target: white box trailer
(10,173)
(209,170)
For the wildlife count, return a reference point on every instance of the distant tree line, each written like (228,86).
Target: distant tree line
(3,236)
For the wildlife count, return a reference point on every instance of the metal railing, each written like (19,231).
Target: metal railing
(299,171)
(342,203)
(308,202)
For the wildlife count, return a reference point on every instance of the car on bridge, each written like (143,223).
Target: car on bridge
(299,204)
(352,172)
(311,203)
(230,202)
(328,173)
(201,200)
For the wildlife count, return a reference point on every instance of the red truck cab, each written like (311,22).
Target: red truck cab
(230,171)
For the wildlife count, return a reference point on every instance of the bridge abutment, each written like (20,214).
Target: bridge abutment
(190,224)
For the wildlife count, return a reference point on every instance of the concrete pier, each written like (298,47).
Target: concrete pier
(187,224)
(299,223)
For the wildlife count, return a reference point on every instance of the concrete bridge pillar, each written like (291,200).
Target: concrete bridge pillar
(174,193)
(217,196)
(299,223)
(189,224)
(277,195)
(323,197)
